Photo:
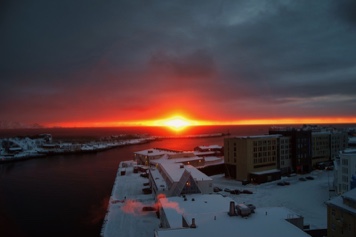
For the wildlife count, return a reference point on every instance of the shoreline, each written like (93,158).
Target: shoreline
(92,147)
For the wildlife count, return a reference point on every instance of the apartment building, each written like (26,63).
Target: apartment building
(284,155)
(252,158)
(301,149)
(341,215)
(345,171)
(338,142)
(321,148)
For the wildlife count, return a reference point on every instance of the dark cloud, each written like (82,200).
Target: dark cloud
(143,58)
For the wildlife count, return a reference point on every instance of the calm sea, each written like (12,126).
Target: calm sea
(67,195)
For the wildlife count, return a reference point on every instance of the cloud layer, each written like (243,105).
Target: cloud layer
(70,61)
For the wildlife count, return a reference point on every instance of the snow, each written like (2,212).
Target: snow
(339,201)
(266,172)
(304,198)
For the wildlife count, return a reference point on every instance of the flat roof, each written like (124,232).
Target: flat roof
(155,152)
(211,218)
(259,136)
(339,201)
(210,147)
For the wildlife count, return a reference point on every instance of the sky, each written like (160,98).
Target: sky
(97,63)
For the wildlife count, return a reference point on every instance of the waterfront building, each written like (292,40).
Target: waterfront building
(252,158)
(173,179)
(341,215)
(212,149)
(144,157)
(213,215)
(345,171)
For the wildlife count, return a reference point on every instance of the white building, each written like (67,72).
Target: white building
(210,216)
(345,171)
(144,157)
(173,179)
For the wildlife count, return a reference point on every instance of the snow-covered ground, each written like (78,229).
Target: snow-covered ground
(305,198)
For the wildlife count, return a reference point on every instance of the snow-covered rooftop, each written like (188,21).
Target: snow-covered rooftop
(259,136)
(210,147)
(155,152)
(175,171)
(211,218)
(339,201)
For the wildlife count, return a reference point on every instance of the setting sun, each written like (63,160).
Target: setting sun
(176,123)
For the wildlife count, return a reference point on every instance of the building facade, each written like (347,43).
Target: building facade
(345,171)
(301,147)
(338,142)
(174,179)
(249,156)
(321,148)
(341,215)
(285,155)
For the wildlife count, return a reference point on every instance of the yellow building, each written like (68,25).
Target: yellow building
(252,158)
(342,215)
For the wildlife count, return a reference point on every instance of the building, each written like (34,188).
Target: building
(214,215)
(252,158)
(212,150)
(321,147)
(173,179)
(301,148)
(312,145)
(341,212)
(338,142)
(284,155)
(144,157)
(345,171)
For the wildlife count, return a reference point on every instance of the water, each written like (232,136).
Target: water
(67,195)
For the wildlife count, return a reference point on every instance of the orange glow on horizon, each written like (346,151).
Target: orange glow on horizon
(176,123)
(179,122)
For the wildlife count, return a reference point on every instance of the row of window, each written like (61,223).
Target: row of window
(264,160)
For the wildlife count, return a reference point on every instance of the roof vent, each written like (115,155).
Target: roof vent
(232,211)
(193,223)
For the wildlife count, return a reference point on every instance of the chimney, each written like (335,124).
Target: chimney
(232,210)
(193,223)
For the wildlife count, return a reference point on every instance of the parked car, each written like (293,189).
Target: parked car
(245,191)
(283,183)
(309,178)
(217,189)
(145,175)
(236,191)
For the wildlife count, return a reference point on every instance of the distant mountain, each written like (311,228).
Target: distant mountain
(16,125)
